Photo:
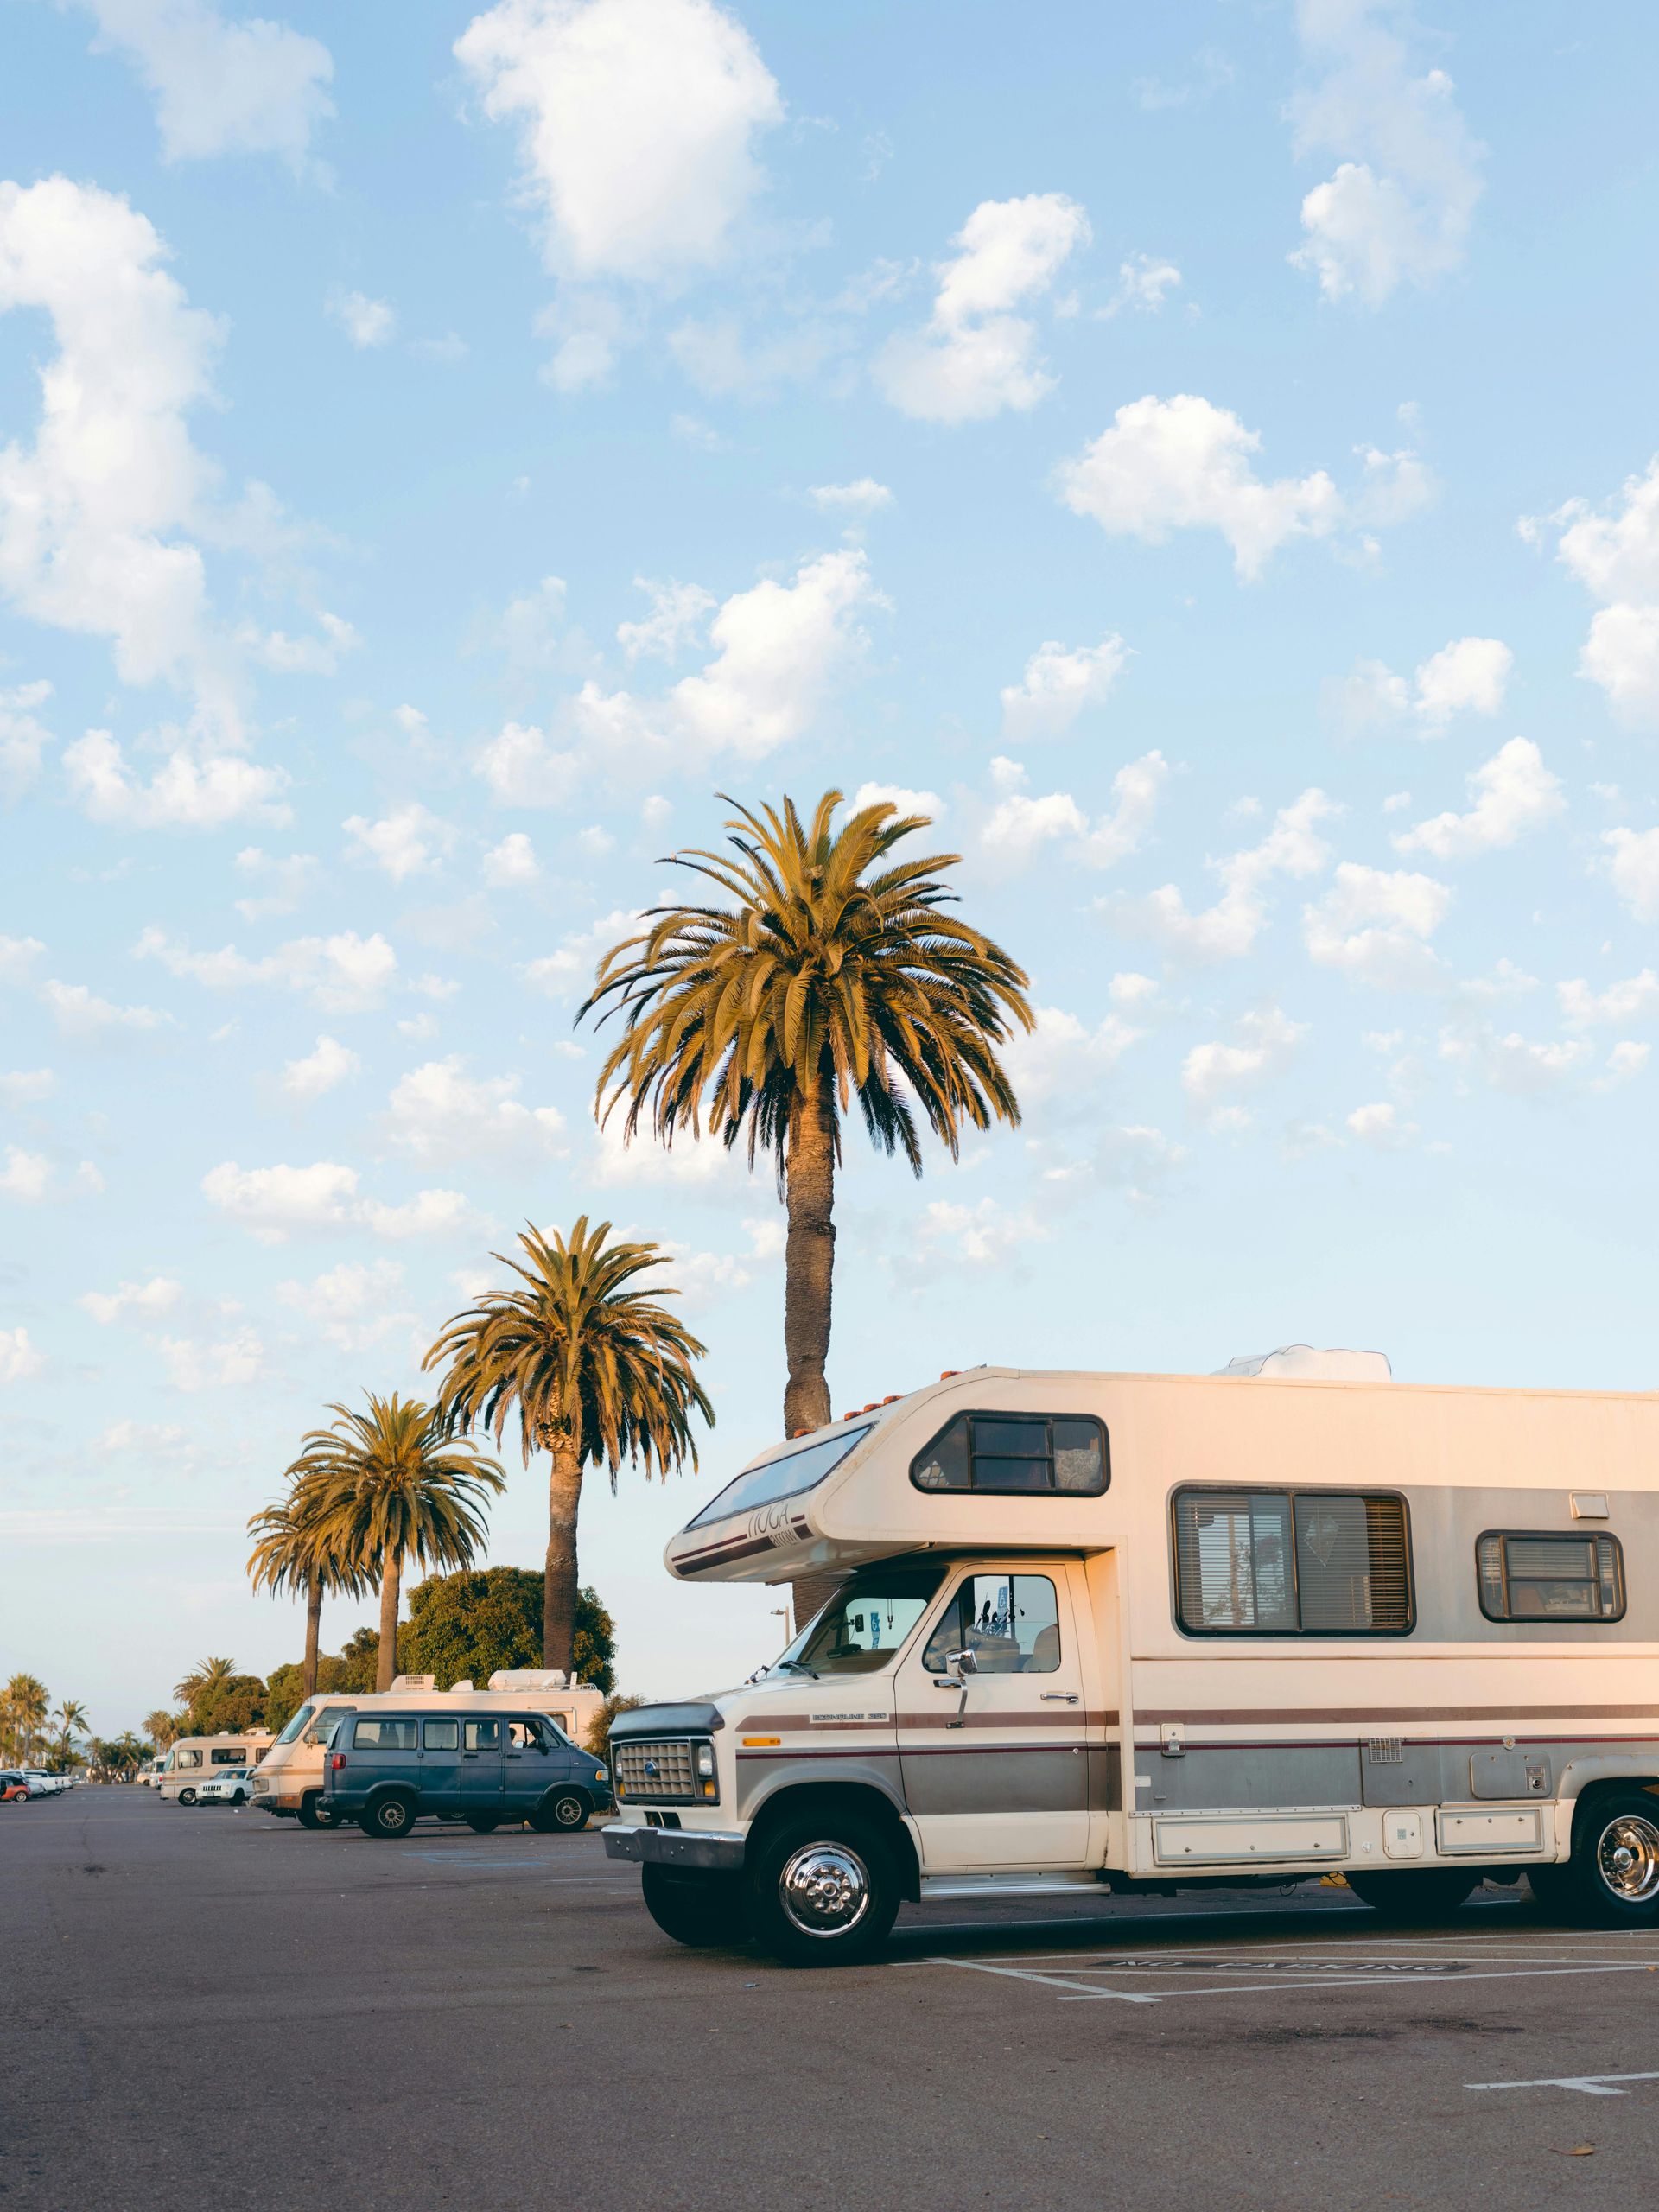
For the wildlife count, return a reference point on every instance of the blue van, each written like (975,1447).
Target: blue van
(386,1770)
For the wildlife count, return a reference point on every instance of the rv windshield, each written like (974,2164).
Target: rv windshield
(782,1478)
(296,1725)
(863,1625)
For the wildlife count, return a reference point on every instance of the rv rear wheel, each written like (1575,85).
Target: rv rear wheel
(1613,1878)
(186,1796)
(703,1911)
(823,1892)
(316,1813)
(1413,1893)
(388,1817)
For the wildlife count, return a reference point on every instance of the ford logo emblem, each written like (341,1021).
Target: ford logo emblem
(650,1766)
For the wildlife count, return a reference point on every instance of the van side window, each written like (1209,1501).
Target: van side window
(1292,1563)
(1011,1623)
(482,1735)
(529,1736)
(440,1735)
(384,1731)
(1535,1577)
(1017,1454)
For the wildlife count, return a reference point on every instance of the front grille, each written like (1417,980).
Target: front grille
(656,1770)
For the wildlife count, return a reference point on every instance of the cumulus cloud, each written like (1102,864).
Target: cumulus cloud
(288,880)
(159,1295)
(896,795)
(1215,1075)
(678,614)
(1061,1063)
(437,1112)
(1633,866)
(1513,793)
(511,864)
(568,972)
(1143,283)
(1469,675)
(273,1202)
(320,1071)
(1058,683)
(862,497)
(1228,929)
(247,87)
(1019,824)
(184,793)
(1185,464)
(1398,206)
(366,322)
(1613,552)
(1381,1126)
(343,974)
(1523,1067)
(28,1086)
(1374,926)
(20,1360)
(80,1014)
(974,357)
(231,1364)
(407,842)
(1619,1005)
(353,1304)
(23,739)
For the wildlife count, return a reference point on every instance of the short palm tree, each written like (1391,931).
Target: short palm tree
(208,1675)
(598,1371)
(389,1486)
(826,973)
(70,1721)
(27,1701)
(291,1554)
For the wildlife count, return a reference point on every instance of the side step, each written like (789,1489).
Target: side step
(1019,1885)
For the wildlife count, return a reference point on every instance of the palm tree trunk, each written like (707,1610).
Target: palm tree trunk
(809,1258)
(391,1584)
(313,1632)
(559,1582)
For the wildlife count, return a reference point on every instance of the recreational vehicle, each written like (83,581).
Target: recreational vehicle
(289,1778)
(1145,1631)
(192,1759)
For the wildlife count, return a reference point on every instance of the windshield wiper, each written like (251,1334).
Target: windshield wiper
(800,1664)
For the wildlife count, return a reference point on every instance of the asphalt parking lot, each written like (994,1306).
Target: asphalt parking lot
(211,2006)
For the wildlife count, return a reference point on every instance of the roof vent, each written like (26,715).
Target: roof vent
(1302,1364)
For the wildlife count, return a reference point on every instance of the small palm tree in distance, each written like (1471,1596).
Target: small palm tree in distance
(598,1371)
(389,1486)
(290,1554)
(826,973)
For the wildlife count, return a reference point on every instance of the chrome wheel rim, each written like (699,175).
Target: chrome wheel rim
(824,1889)
(1627,1858)
(393,1816)
(569,1812)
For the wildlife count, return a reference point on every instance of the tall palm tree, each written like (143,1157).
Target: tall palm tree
(291,1555)
(28,1703)
(208,1675)
(390,1487)
(70,1721)
(826,973)
(597,1371)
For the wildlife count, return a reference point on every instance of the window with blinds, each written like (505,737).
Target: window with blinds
(1292,1563)
(1528,1576)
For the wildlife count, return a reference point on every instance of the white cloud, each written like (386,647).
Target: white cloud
(1398,207)
(79,1012)
(689,1163)
(159,1295)
(429,1213)
(366,322)
(678,613)
(511,863)
(862,497)
(343,974)
(184,793)
(290,880)
(568,972)
(405,843)
(20,1361)
(27,1176)
(1214,1074)
(1374,925)
(523,766)
(1381,1126)
(315,656)
(636,120)
(272,1202)
(1634,868)
(1513,793)
(1020,825)
(247,87)
(1142,283)
(1468,675)
(1228,929)
(353,1304)
(17,958)
(437,1112)
(1625,1061)
(1514,1064)
(230,1365)
(28,1086)
(1636,999)
(974,357)
(895,795)
(24,740)
(1184,464)
(1062,1062)
(1057,684)
(1614,553)
(320,1070)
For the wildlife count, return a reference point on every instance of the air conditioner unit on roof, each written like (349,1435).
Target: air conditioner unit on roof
(1302,1364)
(529,1678)
(414,1682)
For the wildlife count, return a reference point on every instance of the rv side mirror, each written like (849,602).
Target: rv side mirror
(965,1662)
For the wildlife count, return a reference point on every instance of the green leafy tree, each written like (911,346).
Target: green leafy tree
(285,1690)
(231,1708)
(205,1676)
(292,1554)
(598,1728)
(597,1370)
(359,1662)
(827,972)
(464,1627)
(391,1486)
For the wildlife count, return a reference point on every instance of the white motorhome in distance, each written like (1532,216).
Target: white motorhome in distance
(287,1780)
(1143,1630)
(190,1761)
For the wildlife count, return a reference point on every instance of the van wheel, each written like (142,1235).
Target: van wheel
(562,1811)
(702,1911)
(1413,1893)
(186,1796)
(823,1892)
(482,1823)
(388,1817)
(316,1813)
(1613,1878)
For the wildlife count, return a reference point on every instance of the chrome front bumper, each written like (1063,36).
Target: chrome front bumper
(707,1851)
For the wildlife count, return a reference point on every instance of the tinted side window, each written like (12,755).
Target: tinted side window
(1535,1577)
(385,1732)
(1010,1453)
(1284,1563)
(441,1735)
(482,1735)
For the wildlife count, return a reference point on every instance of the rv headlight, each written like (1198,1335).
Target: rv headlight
(706,1761)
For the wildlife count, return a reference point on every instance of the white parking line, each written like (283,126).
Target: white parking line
(1332,1973)
(1590,2085)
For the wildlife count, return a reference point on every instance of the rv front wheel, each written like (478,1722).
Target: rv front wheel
(703,1911)
(1413,1893)
(824,1893)
(186,1796)
(1613,1878)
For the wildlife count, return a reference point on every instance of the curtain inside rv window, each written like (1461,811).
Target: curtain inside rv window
(1282,1563)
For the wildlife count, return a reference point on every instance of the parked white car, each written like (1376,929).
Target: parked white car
(231,1785)
(42,1784)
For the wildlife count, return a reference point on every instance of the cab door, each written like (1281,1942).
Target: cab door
(992,1746)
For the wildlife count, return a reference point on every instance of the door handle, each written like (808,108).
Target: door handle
(1058,1697)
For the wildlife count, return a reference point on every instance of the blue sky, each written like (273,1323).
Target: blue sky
(1208,451)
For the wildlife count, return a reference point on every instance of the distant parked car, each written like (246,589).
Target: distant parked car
(41,1783)
(13,1786)
(231,1785)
